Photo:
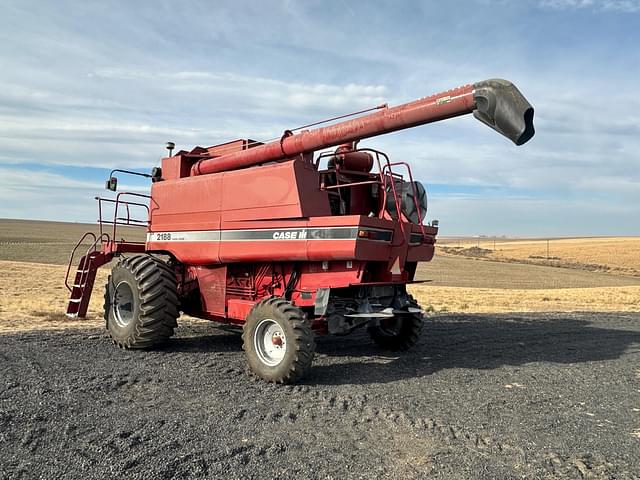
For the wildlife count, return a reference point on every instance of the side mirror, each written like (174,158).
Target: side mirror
(111,184)
(156,174)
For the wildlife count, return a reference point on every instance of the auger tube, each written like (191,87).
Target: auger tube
(495,102)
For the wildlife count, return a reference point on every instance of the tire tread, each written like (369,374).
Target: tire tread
(302,336)
(158,302)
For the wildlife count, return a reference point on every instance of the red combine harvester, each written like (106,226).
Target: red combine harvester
(282,239)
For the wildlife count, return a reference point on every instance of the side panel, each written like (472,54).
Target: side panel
(239,309)
(191,203)
(283,190)
(422,249)
(263,192)
(191,211)
(212,282)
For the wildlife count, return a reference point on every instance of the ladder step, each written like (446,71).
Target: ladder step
(75,300)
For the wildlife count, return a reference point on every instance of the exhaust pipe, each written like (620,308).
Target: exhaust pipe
(500,105)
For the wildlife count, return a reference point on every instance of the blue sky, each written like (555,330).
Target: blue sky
(89,86)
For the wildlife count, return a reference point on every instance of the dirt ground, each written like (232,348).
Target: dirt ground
(486,397)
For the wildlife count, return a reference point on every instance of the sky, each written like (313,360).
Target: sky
(88,86)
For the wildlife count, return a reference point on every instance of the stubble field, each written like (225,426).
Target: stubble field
(462,278)
(619,255)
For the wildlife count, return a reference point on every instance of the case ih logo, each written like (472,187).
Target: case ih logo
(290,235)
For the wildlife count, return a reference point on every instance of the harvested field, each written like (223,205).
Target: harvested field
(456,271)
(458,284)
(455,283)
(487,300)
(34,297)
(49,242)
(620,255)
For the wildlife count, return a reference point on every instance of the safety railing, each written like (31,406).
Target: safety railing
(387,179)
(124,206)
(102,237)
(388,167)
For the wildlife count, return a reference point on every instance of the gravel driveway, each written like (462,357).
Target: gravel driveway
(509,396)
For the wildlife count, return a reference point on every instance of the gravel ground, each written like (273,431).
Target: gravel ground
(483,397)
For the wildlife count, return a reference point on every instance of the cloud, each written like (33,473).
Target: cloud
(100,86)
(258,92)
(626,6)
(92,128)
(45,195)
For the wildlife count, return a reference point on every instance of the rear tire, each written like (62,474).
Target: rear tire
(141,302)
(397,334)
(277,341)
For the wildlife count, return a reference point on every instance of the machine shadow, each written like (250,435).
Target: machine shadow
(472,342)
(205,339)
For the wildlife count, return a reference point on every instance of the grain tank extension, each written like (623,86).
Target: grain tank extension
(284,240)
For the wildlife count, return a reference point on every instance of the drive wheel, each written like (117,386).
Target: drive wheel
(277,341)
(399,333)
(141,302)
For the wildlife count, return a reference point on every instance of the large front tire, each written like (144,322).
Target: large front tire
(141,302)
(277,341)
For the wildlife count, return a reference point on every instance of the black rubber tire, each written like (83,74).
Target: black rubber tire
(403,338)
(300,344)
(155,302)
(409,202)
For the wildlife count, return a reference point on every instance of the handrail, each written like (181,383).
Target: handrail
(386,177)
(92,246)
(104,236)
(66,277)
(415,193)
(353,184)
(127,203)
(125,221)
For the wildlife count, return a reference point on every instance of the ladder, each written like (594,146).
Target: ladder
(80,290)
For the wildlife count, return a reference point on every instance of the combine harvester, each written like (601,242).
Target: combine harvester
(263,237)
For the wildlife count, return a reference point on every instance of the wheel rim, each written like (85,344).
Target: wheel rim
(123,304)
(270,342)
